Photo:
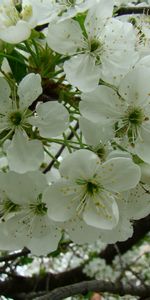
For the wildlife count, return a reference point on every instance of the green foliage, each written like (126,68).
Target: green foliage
(18,66)
(25,260)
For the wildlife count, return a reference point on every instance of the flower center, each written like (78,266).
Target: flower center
(15,118)
(136,116)
(10,206)
(92,190)
(69,3)
(6,207)
(26,13)
(39,208)
(91,186)
(95,48)
(130,123)
(10,14)
(94,45)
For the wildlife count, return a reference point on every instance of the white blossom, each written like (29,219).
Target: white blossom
(43,11)
(24,154)
(27,221)
(16,118)
(124,115)
(15,27)
(89,189)
(106,50)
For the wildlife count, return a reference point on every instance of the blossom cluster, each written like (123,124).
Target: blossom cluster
(74,122)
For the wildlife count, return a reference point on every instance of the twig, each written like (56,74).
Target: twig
(13,256)
(70,136)
(96,286)
(133,10)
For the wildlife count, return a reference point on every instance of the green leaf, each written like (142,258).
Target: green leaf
(17,65)
(25,260)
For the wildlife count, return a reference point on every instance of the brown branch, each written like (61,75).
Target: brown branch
(70,136)
(133,10)
(13,256)
(98,286)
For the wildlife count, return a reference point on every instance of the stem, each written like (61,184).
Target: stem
(12,57)
(51,155)
(32,53)
(66,143)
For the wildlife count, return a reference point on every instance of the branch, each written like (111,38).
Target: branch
(13,256)
(70,136)
(98,286)
(133,10)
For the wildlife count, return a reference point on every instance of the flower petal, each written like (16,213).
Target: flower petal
(101,105)
(79,164)
(52,119)
(24,155)
(121,232)
(82,72)
(65,37)
(119,174)
(16,33)
(137,202)
(45,244)
(80,232)
(29,89)
(101,211)
(23,188)
(142,144)
(135,88)
(97,17)
(5,91)
(62,199)
(94,133)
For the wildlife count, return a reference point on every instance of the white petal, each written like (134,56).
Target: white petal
(65,37)
(24,155)
(72,11)
(142,145)
(121,232)
(103,212)
(119,174)
(79,164)
(145,173)
(144,61)
(137,203)
(45,244)
(101,105)
(117,66)
(18,229)
(135,88)
(116,34)
(62,200)
(29,89)
(24,188)
(17,33)
(7,242)
(52,119)
(80,232)
(5,102)
(82,72)
(46,8)
(97,16)
(94,133)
